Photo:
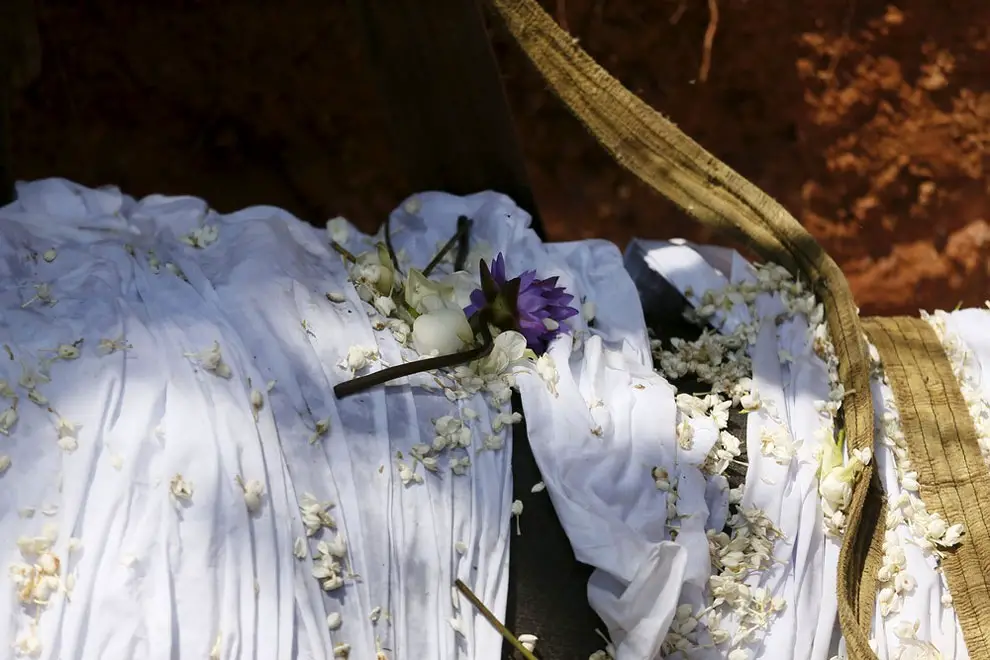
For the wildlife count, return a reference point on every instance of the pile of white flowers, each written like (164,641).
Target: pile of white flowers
(737,614)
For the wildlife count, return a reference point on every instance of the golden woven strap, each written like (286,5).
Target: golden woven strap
(652,148)
(943,446)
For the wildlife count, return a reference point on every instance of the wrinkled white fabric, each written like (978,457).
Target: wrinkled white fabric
(207,578)
(806,576)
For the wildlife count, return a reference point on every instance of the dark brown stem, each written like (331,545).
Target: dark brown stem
(463,244)
(342,251)
(362,383)
(459,238)
(388,245)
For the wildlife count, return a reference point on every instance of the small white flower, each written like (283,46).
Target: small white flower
(37,397)
(528,641)
(384,305)
(588,311)
(358,357)
(376,614)
(546,369)
(299,548)
(335,548)
(180,488)
(517,509)
(211,360)
(43,294)
(215,651)
(4,463)
(7,420)
(504,419)
(408,474)
(254,492)
(108,346)
(49,255)
(460,466)
(661,479)
(27,643)
(334,620)
(538,487)
(338,230)
(461,547)
(336,297)
(952,535)
(201,237)
(342,651)
(492,442)
(257,403)
(321,429)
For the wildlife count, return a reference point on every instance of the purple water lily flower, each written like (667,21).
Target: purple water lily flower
(533,307)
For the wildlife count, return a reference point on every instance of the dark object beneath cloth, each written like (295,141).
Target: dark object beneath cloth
(548,587)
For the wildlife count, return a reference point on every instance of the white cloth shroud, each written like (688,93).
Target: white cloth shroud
(154,579)
(808,627)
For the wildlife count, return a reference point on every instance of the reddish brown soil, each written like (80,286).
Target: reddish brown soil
(870,123)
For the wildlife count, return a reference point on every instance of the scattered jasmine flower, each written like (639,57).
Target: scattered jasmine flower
(4,463)
(376,613)
(358,357)
(8,418)
(546,369)
(37,397)
(254,492)
(460,466)
(67,434)
(334,620)
(315,514)
(110,346)
(257,403)
(320,430)
(538,487)
(342,651)
(27,644)
(336,297)
(42,294)
(180,488)
(528,641)
(49,255)
(517,509)
(211,360)
(201,238)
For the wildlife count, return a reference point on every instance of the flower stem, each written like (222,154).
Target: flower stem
(459,238)
(342,251)
(485,612)
(388,245)
(362,383)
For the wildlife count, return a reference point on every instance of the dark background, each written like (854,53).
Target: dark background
(869,122)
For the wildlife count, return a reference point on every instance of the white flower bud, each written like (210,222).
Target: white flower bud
(443,331)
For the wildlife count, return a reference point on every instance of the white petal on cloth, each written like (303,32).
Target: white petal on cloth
(158,580)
